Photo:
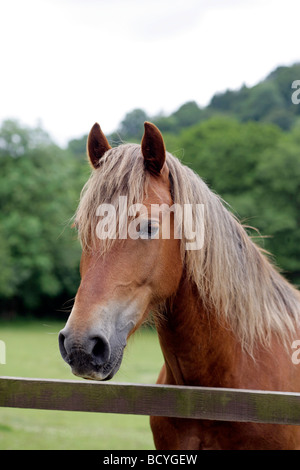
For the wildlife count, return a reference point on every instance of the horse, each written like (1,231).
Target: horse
(224,314)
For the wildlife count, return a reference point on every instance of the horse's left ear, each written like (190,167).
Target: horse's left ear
(97,145)
(153,149)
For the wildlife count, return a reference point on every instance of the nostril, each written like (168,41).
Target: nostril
(101,349)
(61,342)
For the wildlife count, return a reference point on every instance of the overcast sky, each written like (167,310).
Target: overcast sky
(69,63)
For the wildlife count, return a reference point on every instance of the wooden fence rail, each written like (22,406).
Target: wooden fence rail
(221,404)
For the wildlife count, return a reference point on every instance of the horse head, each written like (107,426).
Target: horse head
(119,287)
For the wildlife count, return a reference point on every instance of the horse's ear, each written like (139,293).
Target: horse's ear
(153,149)
(97,145)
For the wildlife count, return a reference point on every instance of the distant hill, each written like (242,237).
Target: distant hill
(269,101)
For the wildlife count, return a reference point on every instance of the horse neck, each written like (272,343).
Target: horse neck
(197,348)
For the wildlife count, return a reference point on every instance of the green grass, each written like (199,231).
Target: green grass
(32,351)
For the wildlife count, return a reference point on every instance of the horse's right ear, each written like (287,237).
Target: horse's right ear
(153,149)
(97,145)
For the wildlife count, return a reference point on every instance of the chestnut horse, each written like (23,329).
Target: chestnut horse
(224,315)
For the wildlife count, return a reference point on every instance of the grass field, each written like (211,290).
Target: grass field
(32,351)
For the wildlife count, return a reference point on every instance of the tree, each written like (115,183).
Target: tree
(16,140)
(278,199)
(39,187)
(269,100)
(263,98)
(132,125)
(255,167)
(226,152)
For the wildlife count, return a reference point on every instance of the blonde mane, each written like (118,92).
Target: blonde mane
(233,276)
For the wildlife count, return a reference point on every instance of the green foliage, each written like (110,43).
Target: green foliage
(226,152)
(187,115)
(279,201)
(255,167)
(269,100)
(132,125)
(77,147)
(16,140)
(39,187)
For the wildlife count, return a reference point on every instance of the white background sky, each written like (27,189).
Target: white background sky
(69,63)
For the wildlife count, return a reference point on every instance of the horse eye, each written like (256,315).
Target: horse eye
(148,230)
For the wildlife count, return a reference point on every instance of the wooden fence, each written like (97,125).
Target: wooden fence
(221,404)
